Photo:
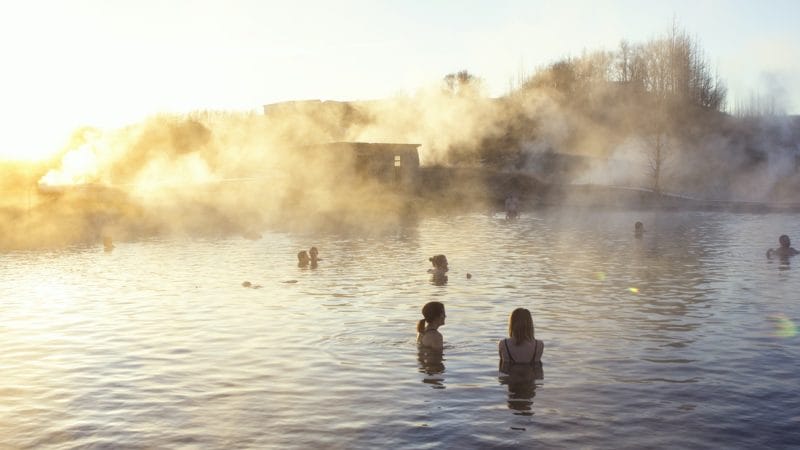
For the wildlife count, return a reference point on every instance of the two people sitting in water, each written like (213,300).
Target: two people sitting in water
(785,250)
(521,347)
(305,258)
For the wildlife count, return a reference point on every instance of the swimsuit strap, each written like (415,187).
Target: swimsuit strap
(508,352)
(535,350)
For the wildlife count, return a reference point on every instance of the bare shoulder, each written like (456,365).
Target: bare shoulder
(538,350)
(433,339)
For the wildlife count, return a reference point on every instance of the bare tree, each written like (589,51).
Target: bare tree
(462,83)
(657,144)
(678,83)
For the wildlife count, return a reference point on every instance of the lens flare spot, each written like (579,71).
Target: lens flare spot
(600,276)
(633,290)
(784,326)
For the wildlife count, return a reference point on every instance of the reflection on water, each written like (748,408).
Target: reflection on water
(431,363)
(683,338)
(784,262)
(521,382)
(438,279)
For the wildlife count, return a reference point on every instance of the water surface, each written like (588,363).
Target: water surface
(684,338)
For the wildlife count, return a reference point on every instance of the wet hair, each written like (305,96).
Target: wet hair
(438,261)
(431,311)
(302,257)
(520,325)
(313,252)
(638,226)
(784,238)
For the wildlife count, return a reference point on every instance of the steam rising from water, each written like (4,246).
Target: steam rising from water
(226,172)
(221,173)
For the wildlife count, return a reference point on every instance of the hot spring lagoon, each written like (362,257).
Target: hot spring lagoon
(683,338)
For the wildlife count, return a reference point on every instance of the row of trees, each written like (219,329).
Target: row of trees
(658,89)
(670,70)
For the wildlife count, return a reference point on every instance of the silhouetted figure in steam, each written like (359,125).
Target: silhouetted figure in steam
(313,255)
(638,229)
(785,250)
(439,270)
(302,259)
(512,207)
(108,244)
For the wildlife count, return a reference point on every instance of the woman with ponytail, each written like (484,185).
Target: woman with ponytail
(428,328)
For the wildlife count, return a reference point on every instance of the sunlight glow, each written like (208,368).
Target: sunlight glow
(784,326)
(30,141)
(77,167)
(600,276)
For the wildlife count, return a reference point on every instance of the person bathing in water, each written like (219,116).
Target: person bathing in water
(521,347)
(439,269)
(512,207)
(302,259)
(638,229)
(428,334)
(785,250)
(313,255)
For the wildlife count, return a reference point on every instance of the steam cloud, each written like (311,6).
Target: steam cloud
(223,173)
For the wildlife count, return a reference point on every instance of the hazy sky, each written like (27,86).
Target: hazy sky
(108,62)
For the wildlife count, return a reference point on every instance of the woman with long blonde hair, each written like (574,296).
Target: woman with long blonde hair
(521,347)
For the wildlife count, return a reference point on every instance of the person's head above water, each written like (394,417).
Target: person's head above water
(302,258)
(313,252)
(784,250)
(439,262)
(638,227)
(520,325)
(433,313)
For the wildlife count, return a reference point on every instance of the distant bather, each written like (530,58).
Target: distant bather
(785,250)
(302,259)
(512,207)
(638,229)
(440,268)
(108,244)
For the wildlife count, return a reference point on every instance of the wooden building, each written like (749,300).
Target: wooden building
(389,163)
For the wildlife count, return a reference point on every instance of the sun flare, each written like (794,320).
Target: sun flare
(30,140)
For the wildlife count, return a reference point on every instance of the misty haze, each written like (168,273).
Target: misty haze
(231,278)
(642,126)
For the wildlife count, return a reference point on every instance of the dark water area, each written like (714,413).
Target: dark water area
(685,337)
